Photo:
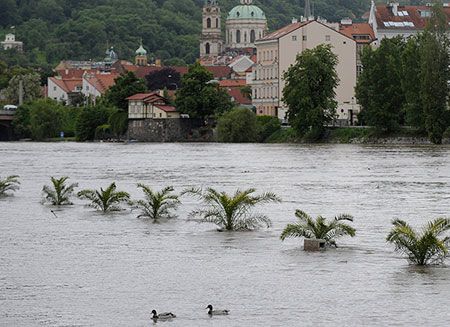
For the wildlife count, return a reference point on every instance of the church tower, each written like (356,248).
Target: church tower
(211,40)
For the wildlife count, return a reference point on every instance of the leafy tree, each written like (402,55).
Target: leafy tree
(89,119)
(118,122)
(307,227)
(166,78)
(411,84)
(10,183)
(157,204)
(59,193)
(231,212)
(199,96)
(266,126)
(237,126)
(378,87)
(105,199)
(125,86)
(309,90)
(21,122)
(31,88)
(435,74)
(421,248)
(45,119)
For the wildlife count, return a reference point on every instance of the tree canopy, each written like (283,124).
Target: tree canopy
(125,86)
(310,90)
(200,96)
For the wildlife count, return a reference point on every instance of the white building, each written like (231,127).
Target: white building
(11,43)
(277,51)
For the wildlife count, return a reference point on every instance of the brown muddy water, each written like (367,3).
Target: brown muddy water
(84,268)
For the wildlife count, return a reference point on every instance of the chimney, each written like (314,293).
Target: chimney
(294,20)
(394,6)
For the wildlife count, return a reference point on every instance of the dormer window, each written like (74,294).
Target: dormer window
(253,14)
(238,14)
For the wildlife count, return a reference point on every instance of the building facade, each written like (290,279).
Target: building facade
(211,42)
(150,106)
(11,43)
(277,51)
(245,24)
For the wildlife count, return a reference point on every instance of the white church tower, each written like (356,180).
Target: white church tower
(211,42)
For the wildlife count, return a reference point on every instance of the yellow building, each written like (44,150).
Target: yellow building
(150,106)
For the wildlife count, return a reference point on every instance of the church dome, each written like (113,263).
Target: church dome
(141,51)
(246,11)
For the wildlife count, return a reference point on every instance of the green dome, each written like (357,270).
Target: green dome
(246,12)
(141,51)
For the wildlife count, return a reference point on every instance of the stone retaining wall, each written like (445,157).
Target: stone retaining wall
(169,130)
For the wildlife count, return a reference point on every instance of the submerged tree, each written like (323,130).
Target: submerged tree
(231,212)
(157,205)
(319,228)
(60,193)
(10,183)
(105,200)
(421,248)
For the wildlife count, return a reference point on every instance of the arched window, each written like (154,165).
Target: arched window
(207,48)
(245,37)
(238,36)
(208,23)
(252,36)
(217,22)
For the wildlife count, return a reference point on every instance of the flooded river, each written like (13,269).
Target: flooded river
(83,268)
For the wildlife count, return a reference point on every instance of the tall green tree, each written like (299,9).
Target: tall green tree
(435,75)
(31,84)
(237,126)
(378,88)
(310,90)
(200,96)
(411,83)
(89,118)
(125,85)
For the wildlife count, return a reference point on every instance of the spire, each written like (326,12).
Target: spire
(307,11)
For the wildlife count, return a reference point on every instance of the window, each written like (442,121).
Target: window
(208,23)
(245,37)
(238,36)
(252,36)
(54,88)
(160,115)
(294,37)
(207,48)
(327,38)
(217,22)
(304,38)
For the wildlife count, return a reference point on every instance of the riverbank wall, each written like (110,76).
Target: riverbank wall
(169,130)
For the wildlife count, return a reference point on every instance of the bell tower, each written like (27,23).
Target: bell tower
(211,43)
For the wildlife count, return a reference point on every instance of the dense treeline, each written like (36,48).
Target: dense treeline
(405,82)
(53,30)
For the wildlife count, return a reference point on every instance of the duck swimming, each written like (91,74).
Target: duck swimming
(212,312)
(162,316)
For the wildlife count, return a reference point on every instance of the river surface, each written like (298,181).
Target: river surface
(83,268)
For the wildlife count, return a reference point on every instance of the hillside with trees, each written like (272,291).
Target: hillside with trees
(53,30)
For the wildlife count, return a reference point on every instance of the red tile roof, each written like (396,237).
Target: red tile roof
(68,85)
(232,83)
(219,72)
(142,96)
(238,96)
(358,29)
(166,108)
(384,14)
(102,82)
